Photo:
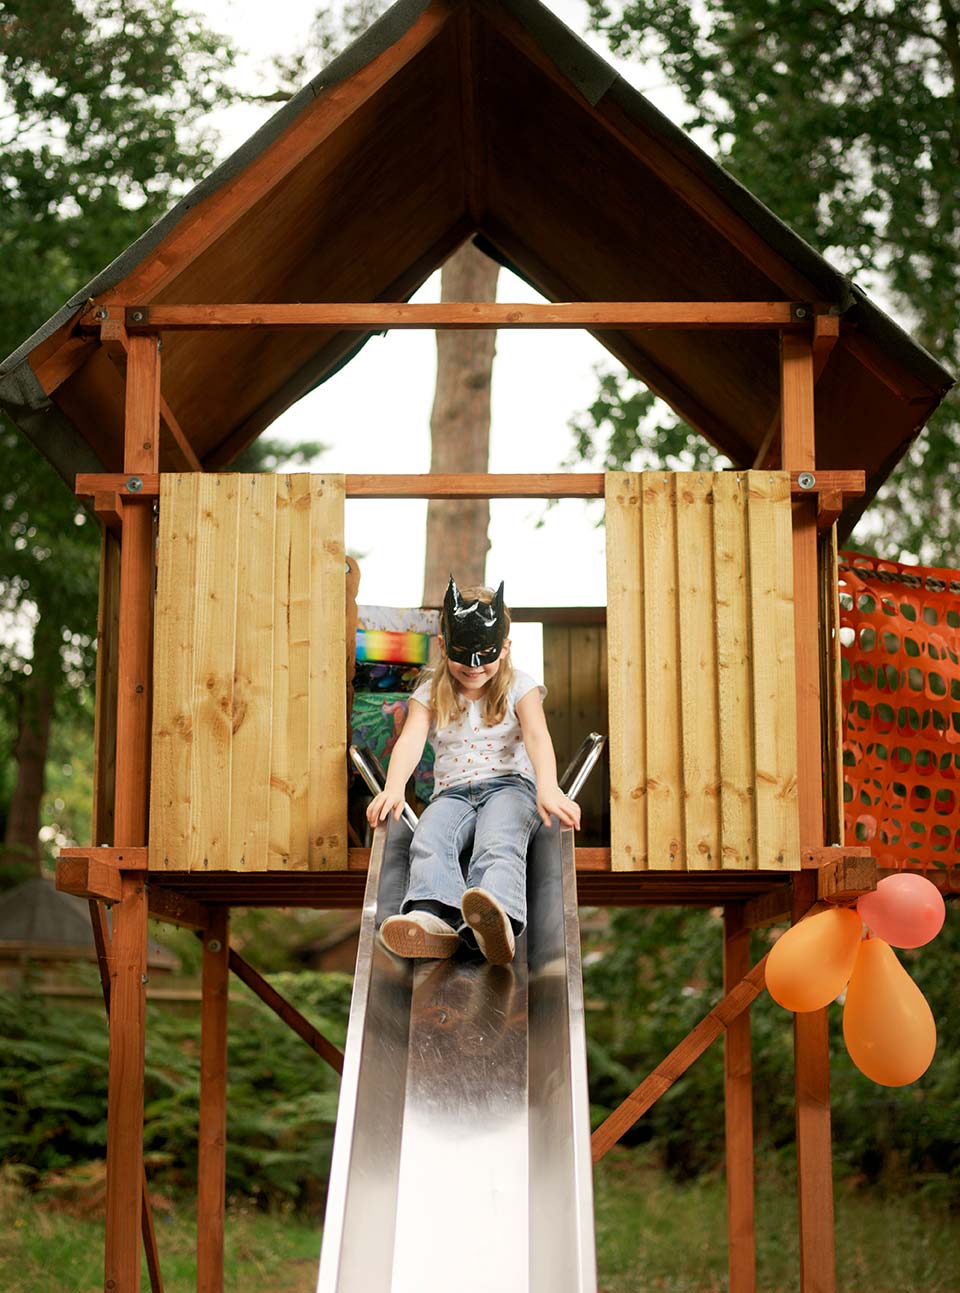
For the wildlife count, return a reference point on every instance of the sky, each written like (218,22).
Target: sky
(374,415)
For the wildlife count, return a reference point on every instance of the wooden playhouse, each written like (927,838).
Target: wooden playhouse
(714,654)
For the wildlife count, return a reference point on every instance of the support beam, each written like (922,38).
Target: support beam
(811,1053)
(101,938)
(289,1014)
(738,1112)
(124,1203)
(367,316)
(212,1166)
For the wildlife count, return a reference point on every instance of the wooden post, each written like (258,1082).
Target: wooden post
(211,1178)
(811,1053)
(128,961)
(738,1111)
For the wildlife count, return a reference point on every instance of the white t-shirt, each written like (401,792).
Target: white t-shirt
(466,751)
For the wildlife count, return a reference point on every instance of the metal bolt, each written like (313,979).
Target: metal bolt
(806,480)
(799,313)
(137,316)
(134,485)
(144,979)
(102,314)
(213,945)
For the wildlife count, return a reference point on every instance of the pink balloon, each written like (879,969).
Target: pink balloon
(905,910)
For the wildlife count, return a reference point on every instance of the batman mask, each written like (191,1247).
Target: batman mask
(473,632)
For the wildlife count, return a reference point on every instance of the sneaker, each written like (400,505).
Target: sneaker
(490,924)
(419,934)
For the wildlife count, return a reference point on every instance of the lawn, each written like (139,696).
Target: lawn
(652,1234)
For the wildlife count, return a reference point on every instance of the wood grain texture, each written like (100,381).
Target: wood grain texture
(250,721)
(328,729)
(738,1111)
(105,716)
(253,674)
(626,681)
(772,650)
(734,671)
(661,647)
(212,1134)
(697,644)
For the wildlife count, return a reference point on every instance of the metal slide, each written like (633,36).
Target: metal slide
(462,1151)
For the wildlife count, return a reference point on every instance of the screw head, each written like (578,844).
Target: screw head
(137,316)
(214,945)
(102,314)
(800,312)
(806,480)
(134,485)
(144,978)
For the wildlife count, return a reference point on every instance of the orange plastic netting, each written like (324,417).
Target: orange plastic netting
(900,639)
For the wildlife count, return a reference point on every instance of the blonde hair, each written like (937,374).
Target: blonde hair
(445,698)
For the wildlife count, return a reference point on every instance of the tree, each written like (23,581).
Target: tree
(844,117)
(460,429)
(101,111)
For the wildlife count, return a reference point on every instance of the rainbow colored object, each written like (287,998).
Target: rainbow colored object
(378,646)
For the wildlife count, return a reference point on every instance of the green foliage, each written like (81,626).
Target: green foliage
(282,1097)
(660,972)
(843,118)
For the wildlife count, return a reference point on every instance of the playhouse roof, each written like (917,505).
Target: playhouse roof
(452,119)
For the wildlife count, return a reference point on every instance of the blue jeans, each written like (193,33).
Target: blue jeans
(495,820)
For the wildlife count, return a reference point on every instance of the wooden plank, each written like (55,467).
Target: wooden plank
(134,650)
(282,735)
(142,415)
(626,678)
(814,1155)
(556,678)
(697,664)
(328,728)
(175,908)
(283,1009)
(86,877)
(588,712)
(738,1112)
(734,672)
(846,878)
(173,833)
(101,939)
(215,643)
(128,967)
(105,712)
(732,1004)
(661,650)
(212,1136)
(298,666)
(772,652)
(366,316)
(125,859)
(472,485)
(253,674)
(828,590)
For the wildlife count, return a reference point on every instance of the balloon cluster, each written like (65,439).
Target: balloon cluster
(887,1025)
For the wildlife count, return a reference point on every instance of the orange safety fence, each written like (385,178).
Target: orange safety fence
(900,641)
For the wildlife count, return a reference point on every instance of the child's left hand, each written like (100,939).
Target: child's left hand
(554,801)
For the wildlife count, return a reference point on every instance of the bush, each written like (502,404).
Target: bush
(282,1098)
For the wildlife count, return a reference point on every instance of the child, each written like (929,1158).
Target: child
(495,779)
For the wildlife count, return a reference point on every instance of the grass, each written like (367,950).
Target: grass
(652,1235)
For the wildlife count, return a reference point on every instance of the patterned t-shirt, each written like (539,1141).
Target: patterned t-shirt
(467,751)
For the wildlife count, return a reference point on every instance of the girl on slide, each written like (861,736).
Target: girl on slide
(495,780)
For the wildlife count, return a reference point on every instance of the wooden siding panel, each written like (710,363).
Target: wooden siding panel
(327,794)
(172,823)
(698,670)
(661,649)
(250,719)
(626,679)
(734,672)
(253,674)
(775,719)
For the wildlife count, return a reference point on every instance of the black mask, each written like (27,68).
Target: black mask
(473,632)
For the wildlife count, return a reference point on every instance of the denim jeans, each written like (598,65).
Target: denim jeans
(492,819)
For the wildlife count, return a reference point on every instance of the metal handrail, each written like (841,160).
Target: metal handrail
(369,767)
(582,764)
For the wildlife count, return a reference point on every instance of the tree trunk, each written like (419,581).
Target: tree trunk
(457,539)
(21,844)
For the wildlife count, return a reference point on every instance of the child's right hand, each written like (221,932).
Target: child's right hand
(388,800)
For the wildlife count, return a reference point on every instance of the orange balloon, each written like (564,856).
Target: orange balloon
(810,964)
(887,1024)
